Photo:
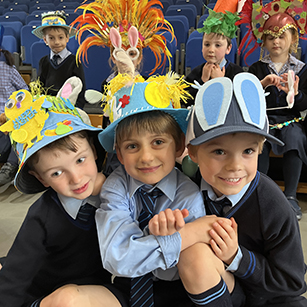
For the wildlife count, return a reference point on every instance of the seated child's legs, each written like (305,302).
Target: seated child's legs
(202,272)
(80,296)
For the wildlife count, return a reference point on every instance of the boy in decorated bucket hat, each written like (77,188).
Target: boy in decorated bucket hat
(147,131)
(262,248)
(57,243)
(55,68)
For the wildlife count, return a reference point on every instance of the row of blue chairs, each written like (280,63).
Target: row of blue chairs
(39,7)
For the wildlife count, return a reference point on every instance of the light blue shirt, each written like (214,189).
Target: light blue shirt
(234,199)
(63,55)
(72,205)
(125,249)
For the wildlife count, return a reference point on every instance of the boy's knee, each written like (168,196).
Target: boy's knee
(65,296)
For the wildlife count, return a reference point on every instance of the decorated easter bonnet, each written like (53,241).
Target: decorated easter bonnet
(53,19)
(273,18)
(100,16)
(220,23)
(34,122)
(223,107)
(156,93)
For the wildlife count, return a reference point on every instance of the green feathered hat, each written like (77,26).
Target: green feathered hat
(220,23)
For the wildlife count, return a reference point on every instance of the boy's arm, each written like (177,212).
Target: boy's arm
(122,241)
(23,261)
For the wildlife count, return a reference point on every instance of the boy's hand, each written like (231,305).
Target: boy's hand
(224,240)
(167,222)
(217,72)
(207,69)
(198,230)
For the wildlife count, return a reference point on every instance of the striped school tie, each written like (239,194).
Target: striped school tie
(141,293)
(217,207)
(86,212)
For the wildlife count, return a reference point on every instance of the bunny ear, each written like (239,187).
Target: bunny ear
(133,36)
(212,102)
(251,99)
(115,38)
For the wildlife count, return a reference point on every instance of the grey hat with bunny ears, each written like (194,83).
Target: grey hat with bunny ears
(223,107)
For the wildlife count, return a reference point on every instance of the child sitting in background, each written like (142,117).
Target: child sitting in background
(224,137)
(60,64)
(10,81)
(219,28)
(279,35)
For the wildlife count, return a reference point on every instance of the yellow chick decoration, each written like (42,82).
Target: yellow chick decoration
(25,117)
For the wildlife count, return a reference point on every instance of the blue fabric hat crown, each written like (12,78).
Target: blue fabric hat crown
(156,93)
(223,107)
(33,124)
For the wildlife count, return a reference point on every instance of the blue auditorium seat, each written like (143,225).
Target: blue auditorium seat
(22,15)
(9,43)
(16,26)
(38,50)
(42,7)
(198,4)
(188,10)
(26,41)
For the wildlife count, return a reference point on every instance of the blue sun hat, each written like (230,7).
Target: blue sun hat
(34,122)
(126,98)
(223,107)
(53,19)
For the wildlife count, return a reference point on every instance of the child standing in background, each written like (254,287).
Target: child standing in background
(10,81)
(60,64)
(218,30)
(278,31)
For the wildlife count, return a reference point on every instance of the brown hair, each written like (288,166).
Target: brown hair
(65,143)
(228,39)
(8,57)
(153,121)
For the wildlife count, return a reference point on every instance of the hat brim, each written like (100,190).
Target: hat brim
(224,130)
(28,184)
(40,34)
(107,136)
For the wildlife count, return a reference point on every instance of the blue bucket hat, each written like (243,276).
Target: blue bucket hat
(156,93)
(223,107)
(35,123)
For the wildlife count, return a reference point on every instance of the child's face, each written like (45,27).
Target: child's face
(228,162)
(214,48)
(279,46)
(148,157)
(72,174)
(56,39)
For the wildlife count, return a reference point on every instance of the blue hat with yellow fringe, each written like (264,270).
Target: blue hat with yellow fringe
(126,97)
(34,122)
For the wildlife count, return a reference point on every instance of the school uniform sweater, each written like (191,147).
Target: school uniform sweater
(53,77)
(231,70)
(272,268)
(51,249)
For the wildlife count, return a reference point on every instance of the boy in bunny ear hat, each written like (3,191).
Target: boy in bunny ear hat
(226,132)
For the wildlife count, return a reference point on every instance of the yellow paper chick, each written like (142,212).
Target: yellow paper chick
(25,118)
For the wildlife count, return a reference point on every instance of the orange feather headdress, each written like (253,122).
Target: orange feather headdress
(101,15)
